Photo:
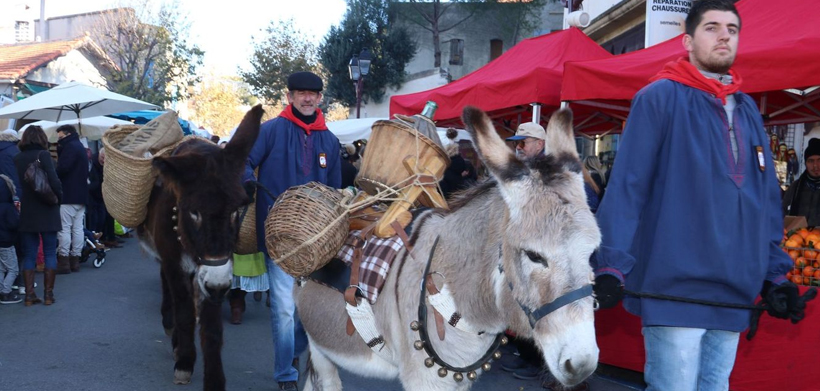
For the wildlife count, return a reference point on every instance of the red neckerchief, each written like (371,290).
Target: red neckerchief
(682,71)
(319,124)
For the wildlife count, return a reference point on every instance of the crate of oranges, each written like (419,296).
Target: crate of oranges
(803,246)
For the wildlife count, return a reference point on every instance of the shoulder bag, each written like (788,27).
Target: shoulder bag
(37,178)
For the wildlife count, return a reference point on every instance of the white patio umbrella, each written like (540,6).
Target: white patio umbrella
(72,100)
(92,129)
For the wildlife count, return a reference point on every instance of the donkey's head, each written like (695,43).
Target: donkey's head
(549,236)
(206,184)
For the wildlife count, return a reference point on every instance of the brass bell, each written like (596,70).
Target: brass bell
(472,376)
(458,377)
(504,340)
(419,345)
(414,325)
(429,362)
(442,372)
(496,355)
(174,209)
(179,238)
(486,366)
(174,217)
(175,228)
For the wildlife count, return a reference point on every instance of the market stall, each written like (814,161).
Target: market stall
(530,72)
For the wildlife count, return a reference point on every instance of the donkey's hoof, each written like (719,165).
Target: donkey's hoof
(182,377)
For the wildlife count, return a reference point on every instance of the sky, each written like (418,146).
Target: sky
(224,29)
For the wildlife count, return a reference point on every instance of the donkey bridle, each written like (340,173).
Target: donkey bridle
(532,316)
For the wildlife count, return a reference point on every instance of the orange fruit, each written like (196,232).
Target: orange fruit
(791,243)
(816,275)
(810,254)
(813,238)
(808,271)
(789,275)
(800,263)
(794,254)
(797,280)
(815,264)
(797,239)
(804,232)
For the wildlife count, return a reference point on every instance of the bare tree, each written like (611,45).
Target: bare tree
(149,45)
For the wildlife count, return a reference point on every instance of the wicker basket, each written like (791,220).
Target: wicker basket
(305,228)
(247,232)
(128,180)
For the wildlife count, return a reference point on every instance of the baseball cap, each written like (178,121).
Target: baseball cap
(529,129)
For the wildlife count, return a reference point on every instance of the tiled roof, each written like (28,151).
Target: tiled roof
(18,60)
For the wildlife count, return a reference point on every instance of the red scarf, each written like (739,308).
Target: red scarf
(319,124)
(682,71)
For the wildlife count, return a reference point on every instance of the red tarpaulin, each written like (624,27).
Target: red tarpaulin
(530,72)
(779,48)
(782,356)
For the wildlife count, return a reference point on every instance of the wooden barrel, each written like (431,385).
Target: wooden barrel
(388,150)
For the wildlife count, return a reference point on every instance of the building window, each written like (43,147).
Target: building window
(21,31)
(496,48)
(456,51)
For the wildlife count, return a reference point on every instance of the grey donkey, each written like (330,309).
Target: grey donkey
(507,247)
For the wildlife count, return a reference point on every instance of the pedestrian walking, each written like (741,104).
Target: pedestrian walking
(72,168)
(9,222)
(692,210)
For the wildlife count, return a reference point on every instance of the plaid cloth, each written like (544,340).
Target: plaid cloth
(378,255)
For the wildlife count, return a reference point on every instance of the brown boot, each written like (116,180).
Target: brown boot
(49,289)
(31,297)
(74,262)
(237,299)
(63,265)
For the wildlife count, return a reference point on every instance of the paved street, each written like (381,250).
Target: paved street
(104,334)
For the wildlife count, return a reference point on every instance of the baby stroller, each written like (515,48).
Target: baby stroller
(93,248)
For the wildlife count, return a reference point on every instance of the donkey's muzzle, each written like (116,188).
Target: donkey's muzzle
(215,273)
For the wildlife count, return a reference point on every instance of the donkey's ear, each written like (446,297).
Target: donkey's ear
(239,147)
(560,137)
(178,168)
(498,158)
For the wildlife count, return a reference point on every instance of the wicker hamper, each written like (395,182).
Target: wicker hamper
(306,227)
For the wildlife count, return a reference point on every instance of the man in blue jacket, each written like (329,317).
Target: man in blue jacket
(72,169)
(292,149)
(693,211)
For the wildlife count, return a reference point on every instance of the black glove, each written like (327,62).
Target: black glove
(250,189)
(608,290)
(784,301)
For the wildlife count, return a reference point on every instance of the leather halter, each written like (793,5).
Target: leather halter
(425,338)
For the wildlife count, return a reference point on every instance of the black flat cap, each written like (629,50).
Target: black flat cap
(305,81)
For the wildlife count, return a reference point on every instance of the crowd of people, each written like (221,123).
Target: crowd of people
(37,233)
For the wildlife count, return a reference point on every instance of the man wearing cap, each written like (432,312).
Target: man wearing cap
(529,140)
(292,149)
(802,198)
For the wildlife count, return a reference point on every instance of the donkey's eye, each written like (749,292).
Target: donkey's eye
(535,257)
(195,216)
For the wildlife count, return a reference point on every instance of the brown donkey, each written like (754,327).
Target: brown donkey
(191,229)
(512,252)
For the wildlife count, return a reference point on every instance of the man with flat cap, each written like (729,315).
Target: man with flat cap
(803,196)
(293,149)
(529,140)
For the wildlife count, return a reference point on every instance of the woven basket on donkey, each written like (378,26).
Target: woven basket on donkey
(128,180)
(247,232)
(305,228)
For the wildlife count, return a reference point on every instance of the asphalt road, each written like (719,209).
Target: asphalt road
(104,334)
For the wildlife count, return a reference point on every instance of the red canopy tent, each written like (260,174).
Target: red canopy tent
(779,50)
(530,72)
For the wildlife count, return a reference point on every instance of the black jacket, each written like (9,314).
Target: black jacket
(95,179)
(9,218)
(36,216)
(8,150)
(72,168)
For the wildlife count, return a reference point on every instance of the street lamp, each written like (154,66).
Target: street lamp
(359,67)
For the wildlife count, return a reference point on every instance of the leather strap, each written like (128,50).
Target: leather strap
(358,254)
(431,287)
(402,235)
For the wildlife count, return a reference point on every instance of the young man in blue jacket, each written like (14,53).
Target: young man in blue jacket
(292,149)
(693,211)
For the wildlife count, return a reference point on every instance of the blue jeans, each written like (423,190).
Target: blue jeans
(31,242)
(289,338)
(687,359)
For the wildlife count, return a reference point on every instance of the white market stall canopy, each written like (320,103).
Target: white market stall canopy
(350,130)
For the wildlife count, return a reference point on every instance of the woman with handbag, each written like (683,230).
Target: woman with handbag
(40,196)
